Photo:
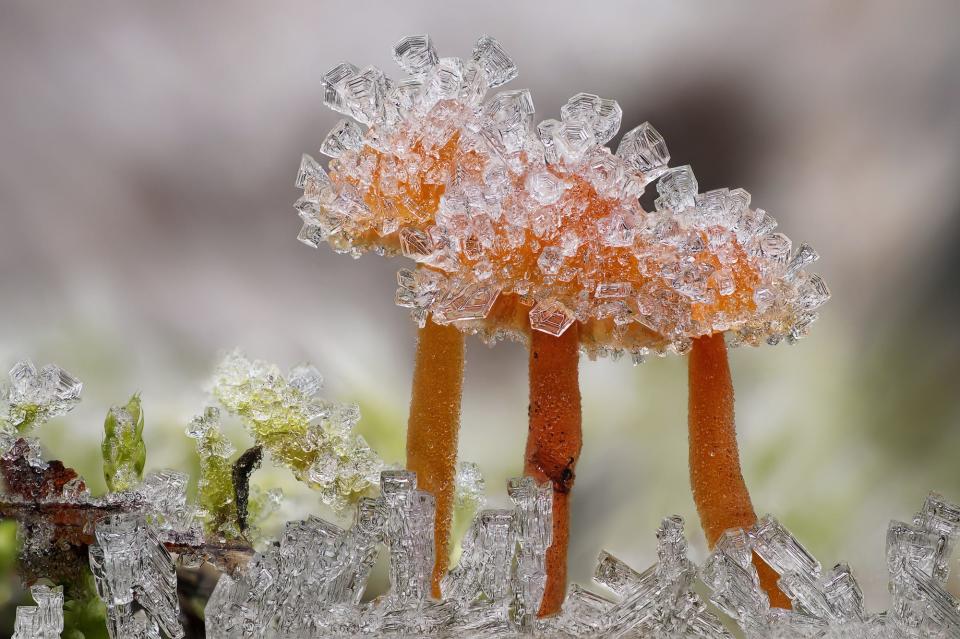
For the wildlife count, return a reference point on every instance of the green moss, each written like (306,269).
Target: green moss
(315,438)
(215,493)
(124,452)
(8,559)
(30,413)
(84,616)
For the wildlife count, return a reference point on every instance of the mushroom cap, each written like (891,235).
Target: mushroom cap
(517,228)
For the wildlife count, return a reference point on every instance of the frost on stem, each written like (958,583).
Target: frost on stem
(215,495)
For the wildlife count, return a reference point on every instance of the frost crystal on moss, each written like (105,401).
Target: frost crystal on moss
(215,496)
(34,396)
(312,436)
(124,453)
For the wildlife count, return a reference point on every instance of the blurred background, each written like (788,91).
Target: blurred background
(147,159)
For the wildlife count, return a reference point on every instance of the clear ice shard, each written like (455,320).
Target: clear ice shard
(43,621)
(552,317)
(409,533)
(644,150)
(164,495)
(415,54)
(134,573)
(601,115)
(658,602)
(458,176)
(345,136)
(781,550)
(533,510)
(495,61)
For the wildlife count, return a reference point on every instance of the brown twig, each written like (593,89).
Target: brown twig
(74,524)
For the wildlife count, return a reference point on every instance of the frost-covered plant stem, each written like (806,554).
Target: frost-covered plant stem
(433,427)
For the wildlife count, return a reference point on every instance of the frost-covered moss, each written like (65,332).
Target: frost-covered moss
(33,396)
(312,436)
(123,449)
(215,493)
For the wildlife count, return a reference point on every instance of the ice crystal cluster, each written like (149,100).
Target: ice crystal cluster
(136,579)
(215,494)
(311,582)
(660,602)
(512,222)
(829,603)
(43,621)
(34,396)
(312,436)
(163,495)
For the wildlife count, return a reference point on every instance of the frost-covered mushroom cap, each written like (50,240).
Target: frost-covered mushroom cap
(516,226)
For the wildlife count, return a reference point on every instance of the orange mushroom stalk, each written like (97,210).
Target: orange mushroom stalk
(433,427)
(536,233)
(719,490)
(554,442)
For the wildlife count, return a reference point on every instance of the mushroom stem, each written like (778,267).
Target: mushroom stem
(433,426)
(716,479)
(554,441)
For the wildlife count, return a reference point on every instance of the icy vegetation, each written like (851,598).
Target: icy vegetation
(313,580)
(34,396)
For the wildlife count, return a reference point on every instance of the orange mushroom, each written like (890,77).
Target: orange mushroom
(537,234)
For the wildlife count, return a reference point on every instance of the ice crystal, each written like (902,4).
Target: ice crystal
(314,437)
(34,396)
(831,604)
(312,581)
(658,602)
(509,220)
(28,478)
(134,573)
(43,621)
(123,449)
(469,486)
(164,496)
